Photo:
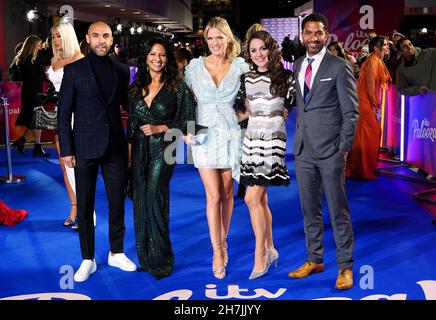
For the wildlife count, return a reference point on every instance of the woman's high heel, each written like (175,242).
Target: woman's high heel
(218,273)
(274,256)
(224,248)
(267,264)
(70,222)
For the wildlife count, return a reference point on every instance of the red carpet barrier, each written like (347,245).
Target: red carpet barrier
(421,132)
(392,132)
(416,117)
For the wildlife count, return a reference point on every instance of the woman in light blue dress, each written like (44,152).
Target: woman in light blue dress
(215,81)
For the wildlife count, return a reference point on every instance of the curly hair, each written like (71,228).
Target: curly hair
(279,85)
(143,77)
(254,27)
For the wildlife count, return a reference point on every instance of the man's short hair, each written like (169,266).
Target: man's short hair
(399,42)
(316,17)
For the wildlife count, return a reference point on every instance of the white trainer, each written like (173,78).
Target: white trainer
(121,261)
(87,268)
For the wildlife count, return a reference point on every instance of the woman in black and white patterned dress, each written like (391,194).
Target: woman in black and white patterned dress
(265,93)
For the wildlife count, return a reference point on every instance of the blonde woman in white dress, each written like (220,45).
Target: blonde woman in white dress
(215,81)
(65,50)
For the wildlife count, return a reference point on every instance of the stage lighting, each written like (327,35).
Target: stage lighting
(139,30)
(159,28)
(132,30)
(32,15)
(119,27)
(402,130)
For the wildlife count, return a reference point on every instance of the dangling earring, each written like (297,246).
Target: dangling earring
(251,65)
(148,68)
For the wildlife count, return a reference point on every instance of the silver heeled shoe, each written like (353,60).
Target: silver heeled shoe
(218,273)
(267,264)
(274,257)
(224,248)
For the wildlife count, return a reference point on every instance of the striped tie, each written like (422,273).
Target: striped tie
(308,78)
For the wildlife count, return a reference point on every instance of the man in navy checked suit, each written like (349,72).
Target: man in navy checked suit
(93,88)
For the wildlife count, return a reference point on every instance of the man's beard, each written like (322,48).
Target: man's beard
(98,53)
(317,49)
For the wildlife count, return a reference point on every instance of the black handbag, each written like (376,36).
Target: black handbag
(44,119)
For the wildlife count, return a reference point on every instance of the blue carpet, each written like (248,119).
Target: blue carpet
(395,250)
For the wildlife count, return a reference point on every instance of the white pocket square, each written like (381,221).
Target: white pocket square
(326,79)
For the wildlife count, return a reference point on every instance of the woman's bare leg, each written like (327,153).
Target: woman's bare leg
(37,133)
(269,243)
(227,201)
(70,191)
(212,185)
(253,199)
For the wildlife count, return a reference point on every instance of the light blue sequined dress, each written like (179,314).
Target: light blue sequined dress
(222,147)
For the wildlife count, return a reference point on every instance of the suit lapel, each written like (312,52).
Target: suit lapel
(94,82)
(319,75)
(298,64)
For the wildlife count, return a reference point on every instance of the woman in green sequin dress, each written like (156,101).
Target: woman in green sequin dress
(161,105)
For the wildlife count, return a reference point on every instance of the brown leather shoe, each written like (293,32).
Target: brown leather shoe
(344,280)
(306,269)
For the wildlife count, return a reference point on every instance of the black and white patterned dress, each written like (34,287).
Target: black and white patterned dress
(264,145)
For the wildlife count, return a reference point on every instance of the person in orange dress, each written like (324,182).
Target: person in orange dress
(362,160)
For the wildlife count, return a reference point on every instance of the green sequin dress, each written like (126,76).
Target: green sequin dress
(151,173)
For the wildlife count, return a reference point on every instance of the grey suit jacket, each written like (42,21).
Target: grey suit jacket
(326,123)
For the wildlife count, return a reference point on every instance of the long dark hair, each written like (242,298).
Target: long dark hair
(276,71)
(143,78)
(339,49)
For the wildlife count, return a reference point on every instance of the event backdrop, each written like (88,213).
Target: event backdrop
(352,21)
(11,90)
(421,142)
(3,68)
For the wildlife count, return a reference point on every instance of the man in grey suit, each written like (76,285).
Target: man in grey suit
(326,122)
